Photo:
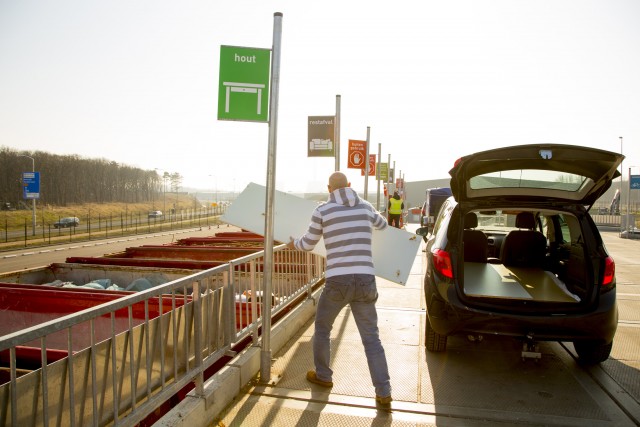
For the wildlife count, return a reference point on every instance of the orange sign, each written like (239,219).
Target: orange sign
(357,153)
(372,166)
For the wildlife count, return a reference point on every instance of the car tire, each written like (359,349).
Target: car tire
(433,340)
(592,353)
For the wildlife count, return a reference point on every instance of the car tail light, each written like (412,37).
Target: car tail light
(442,263)
(609,271)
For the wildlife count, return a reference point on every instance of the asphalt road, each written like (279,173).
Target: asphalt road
(35,257)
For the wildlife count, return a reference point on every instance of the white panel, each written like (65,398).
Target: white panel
(394,250)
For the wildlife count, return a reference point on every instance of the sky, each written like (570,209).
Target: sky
(136,82)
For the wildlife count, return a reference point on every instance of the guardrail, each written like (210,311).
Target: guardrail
(125,358)
(606,220)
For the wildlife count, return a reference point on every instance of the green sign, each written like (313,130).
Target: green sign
(383,173)
(243,88)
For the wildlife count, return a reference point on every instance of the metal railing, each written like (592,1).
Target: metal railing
(121,360)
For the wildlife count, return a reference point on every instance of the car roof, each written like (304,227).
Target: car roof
(538,171)
(439,191)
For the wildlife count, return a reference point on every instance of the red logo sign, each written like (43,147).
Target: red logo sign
(372,165)
(357,153)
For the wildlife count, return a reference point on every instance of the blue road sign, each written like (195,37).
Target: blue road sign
(31,185)
(634,182)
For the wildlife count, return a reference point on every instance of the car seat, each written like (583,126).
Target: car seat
(525,247)
(474,241)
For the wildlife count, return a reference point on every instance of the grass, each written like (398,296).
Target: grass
(48,214)
(99,221)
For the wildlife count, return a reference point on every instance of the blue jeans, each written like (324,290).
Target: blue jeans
(359,291)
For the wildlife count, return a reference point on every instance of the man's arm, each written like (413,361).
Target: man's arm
(310,239)
(379,221)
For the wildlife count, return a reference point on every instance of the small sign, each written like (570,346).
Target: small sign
(383,173)
(243,87)
(31,185)
(321,135)
(357,153)
(634,182)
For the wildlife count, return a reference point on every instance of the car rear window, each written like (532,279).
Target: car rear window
(531,178)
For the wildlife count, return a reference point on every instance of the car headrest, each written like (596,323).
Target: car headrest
(525,220)
(470,220)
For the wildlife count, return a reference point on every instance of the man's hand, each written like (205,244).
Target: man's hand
(290,244)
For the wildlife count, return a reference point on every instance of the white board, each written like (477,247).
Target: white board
(394,250)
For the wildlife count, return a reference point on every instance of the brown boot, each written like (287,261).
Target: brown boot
(312,378)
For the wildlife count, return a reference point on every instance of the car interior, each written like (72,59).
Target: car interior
(523,255)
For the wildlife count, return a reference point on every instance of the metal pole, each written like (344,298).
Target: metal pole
(629,224)
(336,131)
(620,200)
(33,200)
(386,199)
(394,174)
(378,176)
(265,354)
(366,167)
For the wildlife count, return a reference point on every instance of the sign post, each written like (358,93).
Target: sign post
(634,184)
(377,175)
(366,167)
(337,133)
(31,183)
(247,75)
(265,354)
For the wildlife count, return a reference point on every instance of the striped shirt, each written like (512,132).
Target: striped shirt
(346,223)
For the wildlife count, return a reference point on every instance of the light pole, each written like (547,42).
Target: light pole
(215,185)
(164,177)
(33,169)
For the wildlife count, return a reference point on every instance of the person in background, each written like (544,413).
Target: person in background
(396,205)
(346,223)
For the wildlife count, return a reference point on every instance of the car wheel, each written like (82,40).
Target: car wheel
(433,340)
(592,353)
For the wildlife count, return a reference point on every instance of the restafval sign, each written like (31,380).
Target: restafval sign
(321,136)
(243,87)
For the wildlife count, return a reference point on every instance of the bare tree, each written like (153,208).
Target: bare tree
(66,179)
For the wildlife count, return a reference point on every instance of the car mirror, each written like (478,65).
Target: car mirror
(423,231)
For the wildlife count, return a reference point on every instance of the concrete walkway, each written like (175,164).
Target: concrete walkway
(471,384)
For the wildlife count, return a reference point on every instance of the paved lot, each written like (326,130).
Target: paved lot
(472,383)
